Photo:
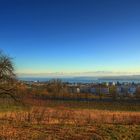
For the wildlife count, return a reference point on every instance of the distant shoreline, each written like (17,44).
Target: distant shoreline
(83,79)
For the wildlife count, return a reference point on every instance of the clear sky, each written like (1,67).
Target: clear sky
(71,36)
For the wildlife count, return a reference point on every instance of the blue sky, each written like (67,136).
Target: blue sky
(71,36)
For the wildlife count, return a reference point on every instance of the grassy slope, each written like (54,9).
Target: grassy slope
(15,129)
(70,132)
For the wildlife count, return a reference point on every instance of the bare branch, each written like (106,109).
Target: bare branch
(7,76)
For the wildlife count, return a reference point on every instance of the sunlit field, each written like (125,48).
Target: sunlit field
(61,120)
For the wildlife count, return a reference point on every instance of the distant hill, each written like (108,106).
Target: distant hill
(128,77)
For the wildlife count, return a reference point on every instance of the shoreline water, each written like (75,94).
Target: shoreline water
(80,80)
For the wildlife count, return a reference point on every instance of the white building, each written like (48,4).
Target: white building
(132,90)
(124,90)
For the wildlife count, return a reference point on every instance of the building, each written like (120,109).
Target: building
(132,90)
(85,89)
(104,90)
(93,90)
(126,90)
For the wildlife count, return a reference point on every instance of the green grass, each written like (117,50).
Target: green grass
(11,108)
(111,106)
(10,105)
(94,105)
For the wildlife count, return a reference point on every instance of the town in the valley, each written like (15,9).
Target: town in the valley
(130,89)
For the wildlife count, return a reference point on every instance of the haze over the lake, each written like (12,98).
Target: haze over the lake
(71,37)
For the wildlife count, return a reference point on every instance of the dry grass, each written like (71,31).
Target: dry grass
(66,124)
(59,121)
(64,115)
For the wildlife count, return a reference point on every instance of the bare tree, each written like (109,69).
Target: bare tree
(55,87)
(7,76)
(113,92)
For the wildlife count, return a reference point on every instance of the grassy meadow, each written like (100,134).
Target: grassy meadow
(69,120)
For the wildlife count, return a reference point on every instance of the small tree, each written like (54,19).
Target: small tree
(99,92)
(137,93)
(55,87)
(7,76)
(113,92)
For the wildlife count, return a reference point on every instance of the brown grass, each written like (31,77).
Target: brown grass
(63,124)
(62,115)
(41,121)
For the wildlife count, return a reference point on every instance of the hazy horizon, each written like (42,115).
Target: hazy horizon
(71,75)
